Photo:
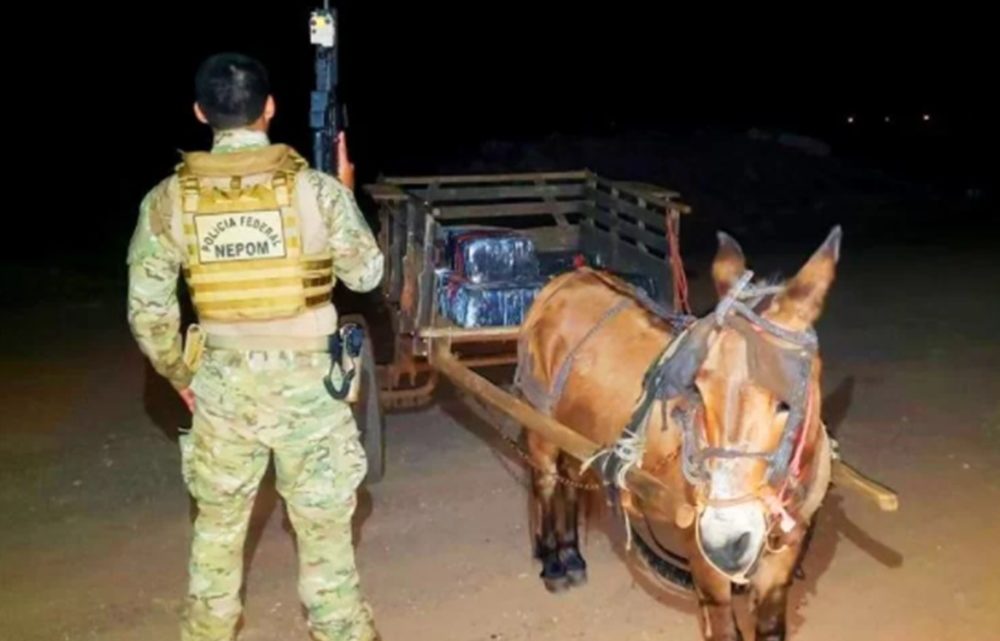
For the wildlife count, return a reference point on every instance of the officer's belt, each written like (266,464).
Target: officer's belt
(268,343)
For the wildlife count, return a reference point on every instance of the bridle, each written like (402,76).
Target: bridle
(779,360)
(784,369)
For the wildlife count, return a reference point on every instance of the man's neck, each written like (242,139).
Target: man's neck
(241,139)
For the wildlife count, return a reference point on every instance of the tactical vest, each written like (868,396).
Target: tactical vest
(242,236)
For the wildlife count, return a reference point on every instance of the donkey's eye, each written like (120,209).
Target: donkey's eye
(783,407)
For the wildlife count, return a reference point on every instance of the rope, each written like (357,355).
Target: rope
(681,302)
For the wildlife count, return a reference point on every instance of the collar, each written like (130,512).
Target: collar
(232,140)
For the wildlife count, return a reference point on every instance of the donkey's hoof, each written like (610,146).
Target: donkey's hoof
(557,584)
(576,567)
(577,578)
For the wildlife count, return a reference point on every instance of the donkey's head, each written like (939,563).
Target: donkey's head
(759,403)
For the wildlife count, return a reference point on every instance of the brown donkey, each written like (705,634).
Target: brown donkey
(724,410)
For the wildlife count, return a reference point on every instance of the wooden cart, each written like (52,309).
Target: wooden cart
(624,227)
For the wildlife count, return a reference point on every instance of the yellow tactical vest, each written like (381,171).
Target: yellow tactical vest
(242,237)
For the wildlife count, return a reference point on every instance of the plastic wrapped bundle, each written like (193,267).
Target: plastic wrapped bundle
(450,235)
(469,304)
(494,256)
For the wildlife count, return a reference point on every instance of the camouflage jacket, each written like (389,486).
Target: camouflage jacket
(155,259)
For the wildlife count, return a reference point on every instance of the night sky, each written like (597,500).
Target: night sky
(427,84)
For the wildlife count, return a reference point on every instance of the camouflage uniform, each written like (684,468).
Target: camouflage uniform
(250,404)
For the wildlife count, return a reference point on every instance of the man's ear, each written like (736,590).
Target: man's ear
(199,114)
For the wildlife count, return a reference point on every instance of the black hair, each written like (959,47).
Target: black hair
(232,90)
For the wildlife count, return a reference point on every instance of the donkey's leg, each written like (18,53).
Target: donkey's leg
(568,533)
(543,457)
(715,602)
(769,592)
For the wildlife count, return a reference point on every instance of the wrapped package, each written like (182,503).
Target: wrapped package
(482,255)
(469,304)
(489,276)
(449,236)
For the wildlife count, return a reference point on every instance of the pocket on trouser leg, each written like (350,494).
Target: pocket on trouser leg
(350,460)
(326,485)
(355,461)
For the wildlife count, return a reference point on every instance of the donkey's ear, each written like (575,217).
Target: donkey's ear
(801,303)
(729,263)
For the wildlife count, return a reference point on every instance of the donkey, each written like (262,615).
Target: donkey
(723,410)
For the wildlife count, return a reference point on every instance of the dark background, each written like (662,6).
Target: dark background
(432,88)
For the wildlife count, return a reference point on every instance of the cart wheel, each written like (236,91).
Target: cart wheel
(368,409)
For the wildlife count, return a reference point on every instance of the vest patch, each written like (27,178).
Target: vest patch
(242,236)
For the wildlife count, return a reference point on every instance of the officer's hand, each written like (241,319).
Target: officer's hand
(188,397)
(345,168)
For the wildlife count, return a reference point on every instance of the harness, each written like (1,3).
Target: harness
(545,400)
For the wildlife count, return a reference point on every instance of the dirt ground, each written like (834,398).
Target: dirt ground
(95,520)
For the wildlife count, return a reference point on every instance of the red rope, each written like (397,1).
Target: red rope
(681,301)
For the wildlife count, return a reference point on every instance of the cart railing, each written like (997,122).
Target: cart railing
(622,225)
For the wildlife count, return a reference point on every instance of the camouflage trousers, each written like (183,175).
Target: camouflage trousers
(250,405)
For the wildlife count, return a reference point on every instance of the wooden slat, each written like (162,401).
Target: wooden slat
(398,250)
(410,267)
(628,230)
(554,238)
(426,280)
(472,334)
(561,219)
(657,196)
(489,361)
(512,209)
(609,240)
(393,235)
(647,191)
(654,218)
(409,181)
(437,194)
(623,257)
(383,191)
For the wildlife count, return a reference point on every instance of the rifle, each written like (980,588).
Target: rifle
(327,117)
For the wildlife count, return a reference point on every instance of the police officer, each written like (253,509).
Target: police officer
(261,239)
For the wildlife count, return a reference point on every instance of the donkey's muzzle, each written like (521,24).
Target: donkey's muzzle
(729,557)
(731,537)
